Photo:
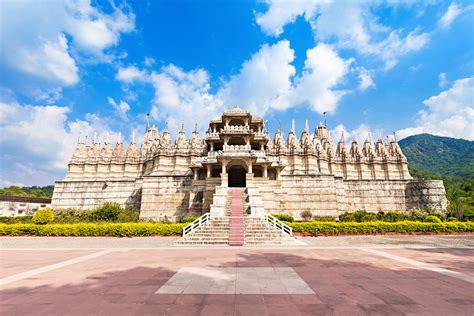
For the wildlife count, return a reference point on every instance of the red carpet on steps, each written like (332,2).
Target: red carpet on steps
(236,221)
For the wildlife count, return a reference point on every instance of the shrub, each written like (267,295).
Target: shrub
(284,217)
(432,219)
(107,212)
(358,216)
(324,218)
(452,219)
(326,228)
(306,215)
(16,219)
(390,216)
(188,219)
(92,229)
(44,216)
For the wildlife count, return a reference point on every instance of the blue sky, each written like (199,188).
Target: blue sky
(73,68)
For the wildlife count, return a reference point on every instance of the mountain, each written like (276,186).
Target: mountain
(444,156)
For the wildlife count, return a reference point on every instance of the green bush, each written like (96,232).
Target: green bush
(16,219)
(44,216)
(306,215)
(324,218)
(432,219)
(92,229)
(284,217)
(326,228)
(452,219)
(107,212)
(390,216)
(188,219)
(358,216)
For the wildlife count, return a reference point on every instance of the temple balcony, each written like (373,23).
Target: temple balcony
(230,129)
(212,136)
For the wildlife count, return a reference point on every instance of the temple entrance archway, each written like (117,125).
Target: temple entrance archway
(237,176)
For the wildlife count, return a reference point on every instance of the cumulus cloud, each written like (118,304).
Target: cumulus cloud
(450,113)
(37,37)
(349,25)
(42,139)
(323,71)
(264,81)
(121,108)
(442,80)
(365,79)
(267,81)
(450,15)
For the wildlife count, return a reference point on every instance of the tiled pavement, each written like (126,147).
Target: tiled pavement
(131,281)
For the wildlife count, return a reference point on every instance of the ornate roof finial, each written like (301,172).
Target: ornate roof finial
(133,137)
(293,125)
(166,125)
(182,126)
(79,138)
(324,118)
(279,125)
(95,138)
(306,126)
(107,137)
(369,137)
(119,138)
(395,136)
(342,136)
(195,126)
(147,118)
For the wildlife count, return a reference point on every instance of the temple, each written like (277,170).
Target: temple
(171,179)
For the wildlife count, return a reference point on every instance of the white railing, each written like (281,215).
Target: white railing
(279,225)
(196,224)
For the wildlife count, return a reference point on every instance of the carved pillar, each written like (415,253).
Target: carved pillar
(209,169)
(265,173)
(250,167)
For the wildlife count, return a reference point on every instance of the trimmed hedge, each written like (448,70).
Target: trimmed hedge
(92,229)
(329,228)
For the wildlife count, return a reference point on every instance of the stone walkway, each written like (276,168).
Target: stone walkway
(358,275)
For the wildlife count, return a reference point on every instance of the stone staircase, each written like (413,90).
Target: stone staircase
(235,227)
(235,212)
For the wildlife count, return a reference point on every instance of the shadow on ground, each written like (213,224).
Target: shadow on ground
(357,284)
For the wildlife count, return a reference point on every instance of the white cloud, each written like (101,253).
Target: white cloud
(450,15)
(442,81)
(265,82)
(350,25)
(281,12)
(450,113)
(323,71)
(130,74)
(41,138)
(365,79)
(51,61)
(37,37)
(121,108)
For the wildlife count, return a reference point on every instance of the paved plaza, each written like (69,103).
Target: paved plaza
(358,275)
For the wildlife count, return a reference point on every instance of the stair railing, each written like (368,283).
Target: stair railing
(196,224)
(271,220)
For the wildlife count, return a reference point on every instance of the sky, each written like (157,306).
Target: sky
(70,69)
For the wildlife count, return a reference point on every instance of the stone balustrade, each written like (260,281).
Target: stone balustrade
(236,129)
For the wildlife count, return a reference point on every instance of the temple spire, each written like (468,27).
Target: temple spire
(306,126)
(342,137)
(293,125)
(195,126)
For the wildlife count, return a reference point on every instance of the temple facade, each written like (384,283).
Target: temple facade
(166,178)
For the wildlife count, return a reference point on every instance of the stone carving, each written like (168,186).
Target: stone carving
(312,172)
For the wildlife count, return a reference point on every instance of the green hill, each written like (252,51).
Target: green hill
(448,157)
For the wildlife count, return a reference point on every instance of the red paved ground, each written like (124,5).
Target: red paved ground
(346,282)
